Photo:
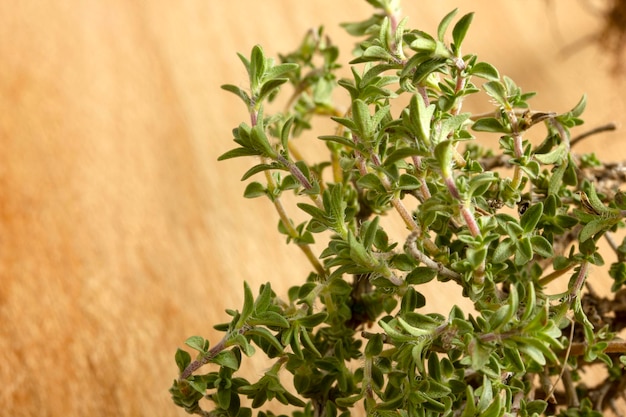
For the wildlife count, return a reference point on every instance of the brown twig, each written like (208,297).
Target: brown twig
(613,346)
(604,128)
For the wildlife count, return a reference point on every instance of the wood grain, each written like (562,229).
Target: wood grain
(120,234)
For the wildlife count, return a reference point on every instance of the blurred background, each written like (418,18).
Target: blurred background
(121,235)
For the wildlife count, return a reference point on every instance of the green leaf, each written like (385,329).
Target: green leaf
(254,189)
(515,359)
(183,359)
(421,275)
(523,251)
(371,181)
(485,70)
(398,41)
(533,348)
(395,334)
(359,254)
(323,91)
(362,120)
(267,336)
(245,346)
(257,67)
(531,217)
(424,43)
(558,154)
(443,153)
(490,124)
(476,257)
(421,116)
(374,346)
(460,30)
(536,407)
(261,143)
(238,152)
(313,211)
(264,300)
(556,181)
(348,123)
(348,402)
(248,306)
(595,201)
(245,62)
(313,320)
(591,229)
(443,25)
(268,318)
(239,92)
(198,343)
(494,409)
(361,28)
(470,405)
(374,53)
(408,182)
(503,251)
(198,384)
(541,246)
(308,343)
(370,227)
(412,330)
(336,205)
(497,91)
(427,68)
(384,32)
(479,354)
(580,107)
(543,347)
(486,393)
(257,169)
(480,183)
(378,117)
(278,70)
(400,154)
(227,359)
(531,168)
(269,87)
(342,140)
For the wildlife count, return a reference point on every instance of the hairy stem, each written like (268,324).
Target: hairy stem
(580,280)
(284,218)
(518,148)
(198,363)
(442,270)
(460,84)
(293,233)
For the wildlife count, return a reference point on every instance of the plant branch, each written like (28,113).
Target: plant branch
(284,218)
(206,358)
(460,84)
(517,148)
(442,270)
(613,346)
(293,233)
(554,275)
(580,280)
(603,128)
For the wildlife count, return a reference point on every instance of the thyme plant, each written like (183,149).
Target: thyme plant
(501,224)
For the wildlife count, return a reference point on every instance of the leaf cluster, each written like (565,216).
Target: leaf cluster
(501,224)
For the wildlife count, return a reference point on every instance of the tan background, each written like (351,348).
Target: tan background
(120,234)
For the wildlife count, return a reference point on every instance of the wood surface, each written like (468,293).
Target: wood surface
(121,235)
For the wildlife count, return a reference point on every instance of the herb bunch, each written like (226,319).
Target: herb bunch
(501,225)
